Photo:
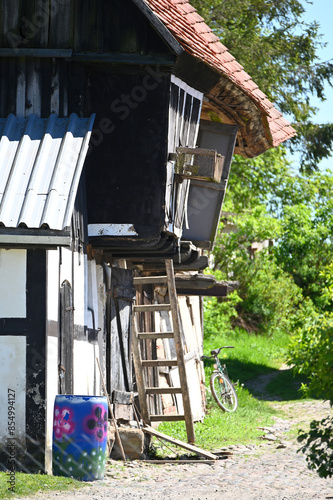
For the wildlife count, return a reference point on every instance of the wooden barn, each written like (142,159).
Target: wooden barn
(118,122)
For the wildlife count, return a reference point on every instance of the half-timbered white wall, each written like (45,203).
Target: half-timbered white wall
(52,313)
(13,269)
(12,389)
(86,281)
(13,265)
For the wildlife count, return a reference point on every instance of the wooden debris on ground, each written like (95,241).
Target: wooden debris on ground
(177,442)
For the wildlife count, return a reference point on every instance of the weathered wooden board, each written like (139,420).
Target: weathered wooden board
(120,329)
(177,442)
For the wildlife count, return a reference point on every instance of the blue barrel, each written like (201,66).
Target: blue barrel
(80,427)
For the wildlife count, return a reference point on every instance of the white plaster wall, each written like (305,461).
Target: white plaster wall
(86,373)
(13,278)
(51,392)
(80,288)
(13,376)
(92,294)
(66,265)
(52,308)
(52,311)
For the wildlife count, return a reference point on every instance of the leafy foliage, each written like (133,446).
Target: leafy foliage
(319,446)
(219,314)
(290,286)
(279,50)
(269,296)
(305,247)
(311,353)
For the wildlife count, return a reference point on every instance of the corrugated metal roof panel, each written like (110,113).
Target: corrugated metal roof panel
(41,161)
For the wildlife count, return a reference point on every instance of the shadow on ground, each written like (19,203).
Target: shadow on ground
(263,382)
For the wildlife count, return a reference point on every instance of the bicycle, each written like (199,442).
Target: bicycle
(223,390)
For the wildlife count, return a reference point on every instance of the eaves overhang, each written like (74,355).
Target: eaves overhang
(230,92)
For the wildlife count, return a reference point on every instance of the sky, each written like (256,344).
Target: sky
(322,12)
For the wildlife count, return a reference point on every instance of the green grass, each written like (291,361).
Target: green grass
(252,356)
(221,429)
(30,484)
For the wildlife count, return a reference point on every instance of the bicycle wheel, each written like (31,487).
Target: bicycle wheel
(223,392)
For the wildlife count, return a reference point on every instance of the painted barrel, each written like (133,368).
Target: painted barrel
(80,427)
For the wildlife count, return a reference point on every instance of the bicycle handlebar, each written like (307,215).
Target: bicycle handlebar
(216,352)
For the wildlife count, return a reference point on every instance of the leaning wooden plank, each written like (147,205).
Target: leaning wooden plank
(177,461)
(189,447)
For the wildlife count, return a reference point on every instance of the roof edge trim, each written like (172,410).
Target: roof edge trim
(160,27)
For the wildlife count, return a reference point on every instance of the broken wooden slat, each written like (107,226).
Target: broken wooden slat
(177,442)
(151,308)
(167,418)
(163,390)
(178,461)
(155,335)
(149,280)
(159,362)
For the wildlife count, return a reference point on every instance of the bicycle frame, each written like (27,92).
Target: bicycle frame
(223,390)
(219,367)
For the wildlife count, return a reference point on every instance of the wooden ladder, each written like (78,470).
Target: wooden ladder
(140,364)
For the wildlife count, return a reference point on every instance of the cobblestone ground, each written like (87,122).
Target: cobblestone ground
(269,470)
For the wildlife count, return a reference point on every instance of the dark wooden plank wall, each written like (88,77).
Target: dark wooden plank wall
(38,86)
(119,337)
(131,140)
(89,25)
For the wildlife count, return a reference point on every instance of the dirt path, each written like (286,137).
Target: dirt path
(268,470)
(258,384)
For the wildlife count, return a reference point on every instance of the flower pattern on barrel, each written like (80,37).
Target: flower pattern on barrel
(97,422)
(80,436)
(62,424)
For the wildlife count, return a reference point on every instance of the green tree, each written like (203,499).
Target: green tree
(268,199)
(269,296)
(279,50)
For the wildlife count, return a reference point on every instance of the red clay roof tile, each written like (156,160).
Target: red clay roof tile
(198,39)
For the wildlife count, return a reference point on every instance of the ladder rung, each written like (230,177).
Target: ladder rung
(159,362)
(163,390)
(152,308)
(149,280)
(155,335)
(165,418)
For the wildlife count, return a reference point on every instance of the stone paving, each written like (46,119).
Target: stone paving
(269,470)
